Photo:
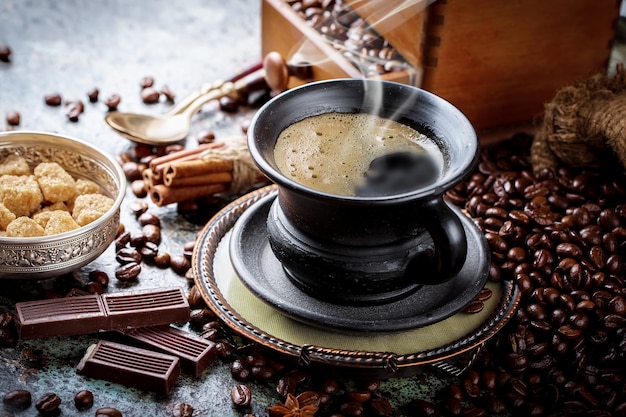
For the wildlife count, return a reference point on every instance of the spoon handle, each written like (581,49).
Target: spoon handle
(181,106)
(254,81)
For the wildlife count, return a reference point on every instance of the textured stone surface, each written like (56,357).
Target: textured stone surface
(69,47)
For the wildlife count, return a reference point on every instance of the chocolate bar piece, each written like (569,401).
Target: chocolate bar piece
(130,366)
(60,316)
(83,314)
(146,308)
(195,353)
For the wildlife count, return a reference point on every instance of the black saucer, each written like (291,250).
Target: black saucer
(257,267)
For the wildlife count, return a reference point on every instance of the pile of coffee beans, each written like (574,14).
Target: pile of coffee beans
(561,236)
(350,35)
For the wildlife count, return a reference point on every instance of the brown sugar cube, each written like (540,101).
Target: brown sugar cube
(24,227)
(60,221)
(14,165)
(89,207)
(56,206)
(20,194)
(43,215)
(84,186)
(6,217)
(56,184)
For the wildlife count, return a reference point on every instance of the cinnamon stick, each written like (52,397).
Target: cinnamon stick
(157,165)
(185,168)
(183,153)
(205,179)
(163,195)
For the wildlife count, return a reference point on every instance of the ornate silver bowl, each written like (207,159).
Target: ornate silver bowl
(44,257)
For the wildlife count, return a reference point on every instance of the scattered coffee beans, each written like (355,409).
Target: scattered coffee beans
(113,101)
(18,399)
(108,412)
(182,410)
(149,95)
(83,400)
(179,264)
(93,94)
(128,272)
(5,52)
(146,82)
(48,403)
(13,118)
(167,93)
(53,99)
(241,395)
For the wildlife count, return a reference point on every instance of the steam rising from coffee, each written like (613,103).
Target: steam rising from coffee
(341,19)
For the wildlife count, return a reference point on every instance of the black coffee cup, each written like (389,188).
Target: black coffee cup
(366,249)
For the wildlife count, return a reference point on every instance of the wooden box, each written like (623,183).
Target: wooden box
(498,61)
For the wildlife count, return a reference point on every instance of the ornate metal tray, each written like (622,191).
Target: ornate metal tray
(214,276)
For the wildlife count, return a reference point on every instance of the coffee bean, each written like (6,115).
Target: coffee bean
(149,250)
(162,259)
(128,255)
(182,410)
(352,408)
(83,399)
(151,233)
(381,407)
(137,240)
(19,399)
(474,307)
(149,95)
(73,112)
(240,395)
(5,52)
(138,207)
(188,248)
(93,94)
(205,136)
(453,406)
(48,403)
(13,118)
(424,407)
(108,412)
(286,385)
(179,264)
(122,240)
(113,101)
(53,99)
(147,81)
(128,272)
(148,218)
(240,370)
(138,187)
(359,396)
(100,277)
(224,350)
(167,93)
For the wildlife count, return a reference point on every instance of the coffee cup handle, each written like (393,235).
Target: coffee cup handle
(450,241)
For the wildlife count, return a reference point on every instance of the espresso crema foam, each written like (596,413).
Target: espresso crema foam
(332,151)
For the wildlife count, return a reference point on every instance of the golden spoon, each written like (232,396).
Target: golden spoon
(174,125)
